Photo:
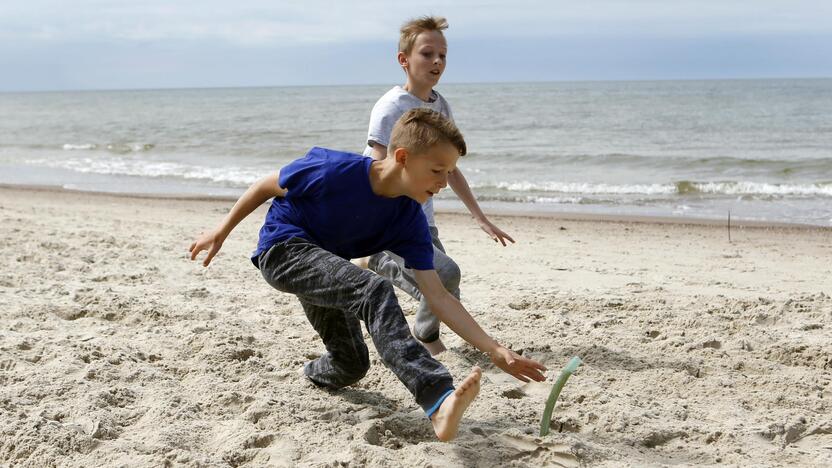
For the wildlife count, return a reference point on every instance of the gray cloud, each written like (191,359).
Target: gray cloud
(87,44)
(274,23)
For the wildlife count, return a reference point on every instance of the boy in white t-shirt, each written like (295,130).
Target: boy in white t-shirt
(422,53)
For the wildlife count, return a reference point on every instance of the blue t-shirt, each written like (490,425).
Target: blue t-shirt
(330,202)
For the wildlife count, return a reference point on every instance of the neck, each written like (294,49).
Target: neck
(385,178)
(421,92)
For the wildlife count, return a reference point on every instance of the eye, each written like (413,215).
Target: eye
(442,56)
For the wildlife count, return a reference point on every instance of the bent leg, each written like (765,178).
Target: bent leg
(327,281)
(391,267)
(346,360)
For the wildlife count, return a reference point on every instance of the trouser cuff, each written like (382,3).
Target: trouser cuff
(431,398)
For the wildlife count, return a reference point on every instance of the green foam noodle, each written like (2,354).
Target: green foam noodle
(546,420)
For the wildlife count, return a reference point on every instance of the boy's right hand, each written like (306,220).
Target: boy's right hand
(211,242)
(521,368)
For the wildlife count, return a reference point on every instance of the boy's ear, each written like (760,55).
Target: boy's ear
(402,58)
(401,155)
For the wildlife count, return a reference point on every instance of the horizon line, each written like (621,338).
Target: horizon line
(347,85)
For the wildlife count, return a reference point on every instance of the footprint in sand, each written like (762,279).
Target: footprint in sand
(397,432)
(68,313)
(538,451)
(540,390)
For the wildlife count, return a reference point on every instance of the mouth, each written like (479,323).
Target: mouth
(435,72)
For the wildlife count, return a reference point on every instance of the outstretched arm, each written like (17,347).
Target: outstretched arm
(462,190)
(255,196)
(451,312)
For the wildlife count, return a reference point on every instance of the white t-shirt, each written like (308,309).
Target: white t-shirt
(387,111)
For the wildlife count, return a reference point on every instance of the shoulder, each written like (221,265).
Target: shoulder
(345,164)
(397,99)
(325,160)
(331,158)
(440,97)
(388,109)
(312,174)
(444,105)
(391,97)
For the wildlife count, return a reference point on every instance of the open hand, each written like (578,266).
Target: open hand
(211,242)
(497,234)
(521,368)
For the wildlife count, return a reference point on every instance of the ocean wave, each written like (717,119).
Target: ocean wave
(120,148)
(520,191)
(755,188)
(125,167)
(587,188)
(82,146)
(682,163)
(733,188)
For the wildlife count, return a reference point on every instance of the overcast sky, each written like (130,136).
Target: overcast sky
(109,44)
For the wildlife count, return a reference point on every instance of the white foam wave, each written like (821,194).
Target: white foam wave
(587,188)
(82,146)
(559,200)
(683,187)
(112,147)
(110,166)
(129,147)
(761,188)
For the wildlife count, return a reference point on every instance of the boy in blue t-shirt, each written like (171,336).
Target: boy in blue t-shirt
(331,206)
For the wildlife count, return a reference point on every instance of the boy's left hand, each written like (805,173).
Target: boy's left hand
(494,232)
(521,368)
(211,241)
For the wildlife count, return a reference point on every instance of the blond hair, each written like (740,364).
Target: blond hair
(420,129)
(413,27)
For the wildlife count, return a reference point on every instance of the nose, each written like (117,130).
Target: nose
(443,182)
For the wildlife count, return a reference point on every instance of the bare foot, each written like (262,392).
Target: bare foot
(435,347)
(363,262)
(446,419)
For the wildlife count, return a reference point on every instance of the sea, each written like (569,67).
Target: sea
(757,150)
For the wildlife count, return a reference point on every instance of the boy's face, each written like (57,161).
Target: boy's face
(426,61)
(426,174)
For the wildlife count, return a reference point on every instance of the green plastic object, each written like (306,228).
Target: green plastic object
(555,393)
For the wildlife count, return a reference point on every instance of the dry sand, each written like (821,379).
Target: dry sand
(115,350)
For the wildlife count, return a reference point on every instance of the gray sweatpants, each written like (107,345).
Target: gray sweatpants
(391,266)
(335,295)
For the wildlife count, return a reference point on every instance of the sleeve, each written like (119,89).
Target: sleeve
(304,177)
(384,115)
(415,245)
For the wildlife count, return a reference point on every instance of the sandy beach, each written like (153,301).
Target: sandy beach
(116,350)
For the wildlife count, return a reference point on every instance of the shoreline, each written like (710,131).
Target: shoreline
(508,213)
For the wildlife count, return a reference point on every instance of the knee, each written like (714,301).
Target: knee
(450,274)
(379,288)
(426,332)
